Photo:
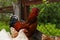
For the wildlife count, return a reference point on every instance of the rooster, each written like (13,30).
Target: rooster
(29,25)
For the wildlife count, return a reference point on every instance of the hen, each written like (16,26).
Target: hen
(7,36)
(29,25)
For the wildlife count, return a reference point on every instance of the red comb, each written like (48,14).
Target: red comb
(35,11)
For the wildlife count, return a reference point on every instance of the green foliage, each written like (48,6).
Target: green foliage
(5,17)
(4,3)
(49,29)
(4,26)
(49,13)
(4,21)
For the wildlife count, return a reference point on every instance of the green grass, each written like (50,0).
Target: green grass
(49,29)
